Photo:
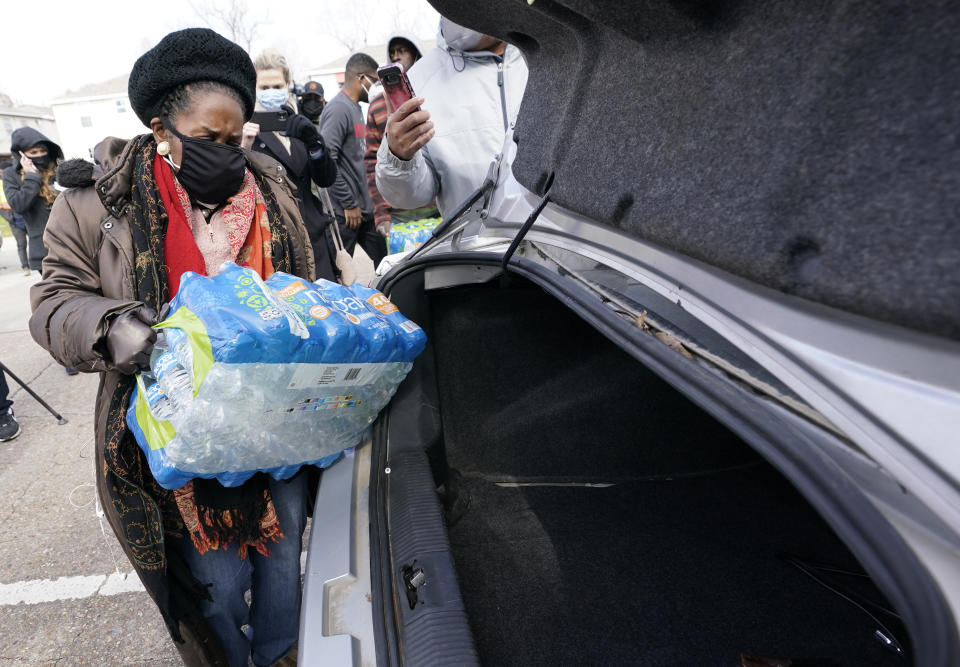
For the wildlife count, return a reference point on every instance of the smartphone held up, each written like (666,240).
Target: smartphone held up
(396,85)
(270,121)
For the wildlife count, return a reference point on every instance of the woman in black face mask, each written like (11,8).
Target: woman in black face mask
(29,185)
(183,197)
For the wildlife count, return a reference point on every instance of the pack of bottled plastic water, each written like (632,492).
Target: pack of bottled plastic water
(405,236)
(250,375)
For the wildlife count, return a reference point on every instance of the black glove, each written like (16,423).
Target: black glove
(300,127)
(130,339)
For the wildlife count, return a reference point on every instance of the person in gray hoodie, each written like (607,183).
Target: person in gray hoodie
(440,144)
(344,130)
(29,186)
(405,50)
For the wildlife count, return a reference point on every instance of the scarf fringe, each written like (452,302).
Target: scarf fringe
(211,528)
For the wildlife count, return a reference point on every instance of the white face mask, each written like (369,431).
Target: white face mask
(457,37)
(367,89)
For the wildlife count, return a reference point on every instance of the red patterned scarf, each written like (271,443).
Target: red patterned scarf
(246,211)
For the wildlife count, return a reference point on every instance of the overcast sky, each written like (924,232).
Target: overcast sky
(51,46)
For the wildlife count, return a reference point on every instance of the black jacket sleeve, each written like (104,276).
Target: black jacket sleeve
(20,194)
(323,170)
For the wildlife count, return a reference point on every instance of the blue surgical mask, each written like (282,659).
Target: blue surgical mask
(272,99)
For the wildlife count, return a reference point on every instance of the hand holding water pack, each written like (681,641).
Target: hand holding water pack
(130,339)
(251,375)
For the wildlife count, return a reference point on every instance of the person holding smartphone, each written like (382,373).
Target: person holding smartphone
(299,147)
(440,143)
(28,185)
(405,50)
(29,188)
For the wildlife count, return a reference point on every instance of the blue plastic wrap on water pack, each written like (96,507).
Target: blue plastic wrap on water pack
(332,337)
(411,339)
(378,340)
(241,316)
(405,236)
(266,376)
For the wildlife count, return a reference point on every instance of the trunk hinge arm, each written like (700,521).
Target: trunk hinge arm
(527,224)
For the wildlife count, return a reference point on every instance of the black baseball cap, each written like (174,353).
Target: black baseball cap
(312,88)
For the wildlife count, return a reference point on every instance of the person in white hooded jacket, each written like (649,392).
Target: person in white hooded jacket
(440,144)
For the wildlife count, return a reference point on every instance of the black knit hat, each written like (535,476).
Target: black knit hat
(185,56)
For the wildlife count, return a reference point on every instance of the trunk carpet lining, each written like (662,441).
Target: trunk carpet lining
(528,389)
(650,571)
(653,573)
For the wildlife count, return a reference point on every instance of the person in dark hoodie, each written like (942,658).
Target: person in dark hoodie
(17,225)
(28,186)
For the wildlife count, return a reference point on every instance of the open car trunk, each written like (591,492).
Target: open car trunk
(595,515)
(781,177)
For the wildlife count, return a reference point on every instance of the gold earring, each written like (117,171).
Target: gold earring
(163,148)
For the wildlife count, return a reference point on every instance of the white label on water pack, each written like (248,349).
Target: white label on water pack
(334,375)
(409,327)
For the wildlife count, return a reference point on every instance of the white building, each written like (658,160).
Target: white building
(13,117)
(88,115)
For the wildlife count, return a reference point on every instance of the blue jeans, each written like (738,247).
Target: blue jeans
(273,616)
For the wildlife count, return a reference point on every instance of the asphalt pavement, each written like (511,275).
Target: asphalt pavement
(68,596)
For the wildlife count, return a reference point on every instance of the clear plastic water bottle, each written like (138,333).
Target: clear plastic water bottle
(176,341)
(158,403)
(174,380)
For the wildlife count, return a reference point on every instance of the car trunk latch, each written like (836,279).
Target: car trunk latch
(413,579)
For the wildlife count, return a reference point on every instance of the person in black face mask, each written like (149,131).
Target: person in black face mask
(311,101)
(29,185)
(182,197)
(210,171)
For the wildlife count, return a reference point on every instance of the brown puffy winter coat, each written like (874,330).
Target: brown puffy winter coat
(88,277)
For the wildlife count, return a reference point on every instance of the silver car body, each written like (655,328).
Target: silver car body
(888,398)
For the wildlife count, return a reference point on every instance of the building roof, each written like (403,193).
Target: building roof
(114,86)
(26,110)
